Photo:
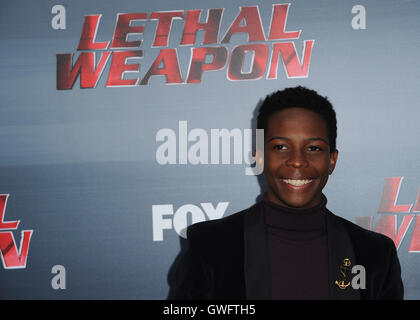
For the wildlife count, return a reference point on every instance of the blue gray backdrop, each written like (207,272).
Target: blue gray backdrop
(80,165)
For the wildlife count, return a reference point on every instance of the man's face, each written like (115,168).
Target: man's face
(297,158)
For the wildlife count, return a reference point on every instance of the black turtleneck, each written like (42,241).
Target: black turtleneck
(298,253)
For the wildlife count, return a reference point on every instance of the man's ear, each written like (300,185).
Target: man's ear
(333,160)
(259,157)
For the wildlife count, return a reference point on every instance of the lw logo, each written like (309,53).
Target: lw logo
(11,256)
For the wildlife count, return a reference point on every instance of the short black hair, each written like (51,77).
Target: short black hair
(300,97)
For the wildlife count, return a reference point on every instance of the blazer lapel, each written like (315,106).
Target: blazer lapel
(256,266)
(341,258)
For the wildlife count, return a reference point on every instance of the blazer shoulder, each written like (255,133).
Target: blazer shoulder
(362,237)
(223,227)
(378,254)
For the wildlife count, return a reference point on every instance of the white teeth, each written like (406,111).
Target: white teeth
(296,183)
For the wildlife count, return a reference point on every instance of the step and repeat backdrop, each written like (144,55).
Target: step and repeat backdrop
(123,122)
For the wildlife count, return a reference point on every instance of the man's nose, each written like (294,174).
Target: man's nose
(297,159)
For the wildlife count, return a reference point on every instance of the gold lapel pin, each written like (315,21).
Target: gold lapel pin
(344,268)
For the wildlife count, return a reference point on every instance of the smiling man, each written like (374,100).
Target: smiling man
(289,245)
(298,157)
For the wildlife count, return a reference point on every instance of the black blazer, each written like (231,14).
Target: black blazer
(228,259)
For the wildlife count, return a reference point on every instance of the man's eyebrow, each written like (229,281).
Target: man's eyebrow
(288,139)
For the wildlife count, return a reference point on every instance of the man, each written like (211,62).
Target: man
(289,245)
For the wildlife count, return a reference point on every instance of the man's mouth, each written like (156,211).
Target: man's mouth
(297,183)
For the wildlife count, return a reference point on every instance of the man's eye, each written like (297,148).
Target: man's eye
(314,148)
(279,147)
